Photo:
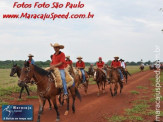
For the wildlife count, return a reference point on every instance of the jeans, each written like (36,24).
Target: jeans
(121,75)
(63,77)
(83,74)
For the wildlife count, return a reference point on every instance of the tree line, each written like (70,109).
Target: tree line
(9,63)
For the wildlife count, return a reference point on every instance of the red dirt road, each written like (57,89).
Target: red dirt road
(93,108)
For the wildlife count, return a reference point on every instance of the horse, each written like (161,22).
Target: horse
(74,72)
(141,68)
(17,70)
(91,71)
(100,78)
(125,73)
(114,78)
(46,87)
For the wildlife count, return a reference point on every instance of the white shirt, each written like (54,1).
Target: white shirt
(123,65)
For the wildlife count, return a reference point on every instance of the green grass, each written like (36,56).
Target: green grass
(3,103)
(117,118)
(32,97)
(135,69)
(136,118)
(134,92)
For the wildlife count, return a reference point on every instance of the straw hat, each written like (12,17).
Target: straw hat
(116,57)
(79,57)
(67,56)
(57,45)
(30,55)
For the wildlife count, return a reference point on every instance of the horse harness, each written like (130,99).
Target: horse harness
(50,80)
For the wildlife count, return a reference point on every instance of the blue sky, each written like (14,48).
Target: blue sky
(129,29)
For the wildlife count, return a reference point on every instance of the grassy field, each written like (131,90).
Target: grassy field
(8,85)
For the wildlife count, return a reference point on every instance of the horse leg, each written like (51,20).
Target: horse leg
(98,94)
(126,77)
(86,87)
(40,109)
(67,110)
(22,88)
(115,89)
(111,89)
(26,87)
(103,91)
(50,105)
(72,90)
(44,101)
(55,107)
(121,86)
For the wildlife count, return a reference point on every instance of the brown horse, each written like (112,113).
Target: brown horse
(91,71)
(74,72)
(141,68)
(100,78)
(114,78)
(125,73)
(17,70)
(46,87)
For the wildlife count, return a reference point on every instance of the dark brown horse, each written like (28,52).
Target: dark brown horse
(141,68)
(100,78)
(17,70)
(114,78)
(46,87)
(125,73)
(74,72)
(91,71)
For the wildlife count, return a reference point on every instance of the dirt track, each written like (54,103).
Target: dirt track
(93,108)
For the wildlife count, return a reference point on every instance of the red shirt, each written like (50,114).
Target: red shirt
(100,64)
(115,64)
(57,58)
(80,64)
(68,62)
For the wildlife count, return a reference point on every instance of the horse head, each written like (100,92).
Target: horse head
(26,74)
(13,70)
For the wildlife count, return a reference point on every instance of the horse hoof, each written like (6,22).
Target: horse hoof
(50,108)
(57,120)
(98,94)
(66,113)
(103,92)
(38,120)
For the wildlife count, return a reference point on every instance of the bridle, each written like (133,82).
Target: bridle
(50,80)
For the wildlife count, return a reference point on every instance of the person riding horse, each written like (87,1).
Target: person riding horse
(68,61)
(30,60)
(58,61)
(81,65)
(117,64)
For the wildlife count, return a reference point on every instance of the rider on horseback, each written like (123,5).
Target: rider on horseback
(30,60)
(81,65)
(100,64)
(117,64)
(68,61)
(58,61)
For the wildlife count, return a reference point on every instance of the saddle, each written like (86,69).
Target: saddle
(57,77)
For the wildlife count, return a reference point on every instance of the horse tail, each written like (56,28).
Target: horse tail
(77,93)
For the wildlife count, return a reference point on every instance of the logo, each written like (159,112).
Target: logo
(17,112)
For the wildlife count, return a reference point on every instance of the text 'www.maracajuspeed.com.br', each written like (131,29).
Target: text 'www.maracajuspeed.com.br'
(45,16)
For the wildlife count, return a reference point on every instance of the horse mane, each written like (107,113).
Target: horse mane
(40,70)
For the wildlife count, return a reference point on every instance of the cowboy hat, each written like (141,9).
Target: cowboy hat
(57,45)
(30,55)
(116,57)
(79,57)
(67,56)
